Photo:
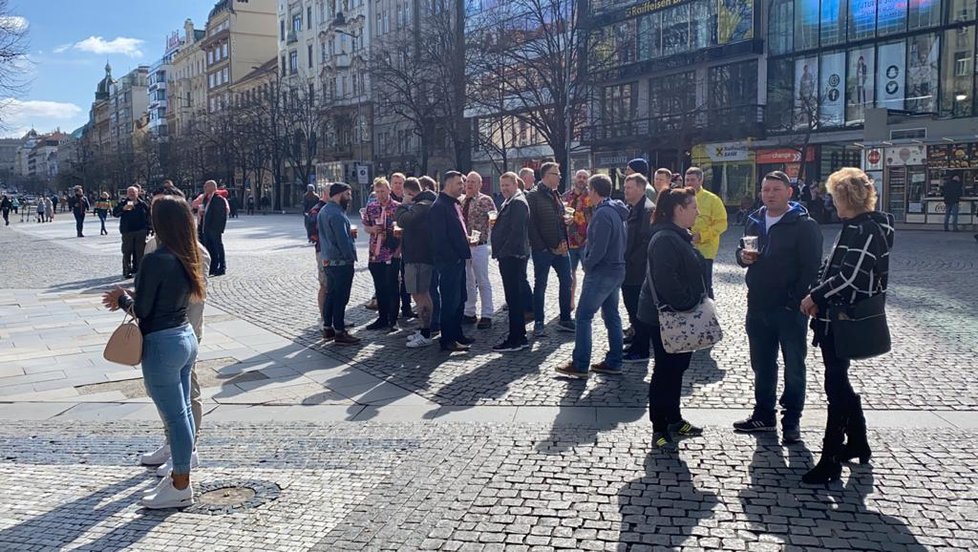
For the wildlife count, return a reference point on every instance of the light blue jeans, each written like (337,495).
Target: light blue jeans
(599,291)
(168,357)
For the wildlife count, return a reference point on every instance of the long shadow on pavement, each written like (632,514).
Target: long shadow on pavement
(660,509)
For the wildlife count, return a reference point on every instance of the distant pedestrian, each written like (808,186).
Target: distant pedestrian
(548,240)
(638,231)
(251,204)
(528,179)
(266,203)
(579,211)
(858,268)
(604,271)
(79,208)
(476,207)
(54,204)
(339,256)
(952,201)
(308,202)
(5,206)
(171,280)
(511,248)
(675,273)
(171,189)
(41,210)
(15,203)
(102,209)
(450,251)
(384,255)
(710,224)
(416,248)
(782,263)
(133,215)
(215,217)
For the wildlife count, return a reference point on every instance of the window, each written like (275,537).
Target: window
(281,30)
(617,104)
(210,57)
(224,50)
(309,18)
(961,10)
(833,21)
(675,30)
(282,63)
(297,23)
(891,16)
(227,74)
(309,50)
(806,24)
(780,26)
(862,19)
(293,62)
(924,14)
(733,85)
(312,92)
(957,72)
(672,95)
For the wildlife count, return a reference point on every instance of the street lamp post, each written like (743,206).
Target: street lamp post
(339,22)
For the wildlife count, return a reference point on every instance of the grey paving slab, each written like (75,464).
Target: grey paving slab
(32,410)
(98,411)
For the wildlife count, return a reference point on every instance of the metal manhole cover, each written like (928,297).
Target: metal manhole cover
(232,496)
(228,496)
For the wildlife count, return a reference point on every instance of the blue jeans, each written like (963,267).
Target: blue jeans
(543,261)
(451,281)
(575,258)
(599,291)
(951,214)
(168,358)
(769,330)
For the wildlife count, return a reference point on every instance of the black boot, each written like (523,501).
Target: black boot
(857,444)
(829,468)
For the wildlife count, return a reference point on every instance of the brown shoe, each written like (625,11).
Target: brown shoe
(570,371)
(329,334)
(344,338)
(372,304)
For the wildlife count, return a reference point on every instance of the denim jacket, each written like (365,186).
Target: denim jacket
(335,242)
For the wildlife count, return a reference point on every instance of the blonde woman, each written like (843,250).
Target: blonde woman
(857,269)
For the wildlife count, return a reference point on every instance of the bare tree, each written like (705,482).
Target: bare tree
(13,50)
(304,118)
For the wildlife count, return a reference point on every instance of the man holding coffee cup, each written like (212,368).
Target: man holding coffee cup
(133,213)
(782,250)
(339,255)
(476,207)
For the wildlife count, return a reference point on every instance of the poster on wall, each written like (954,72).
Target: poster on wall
(832,101)
(899,156)
(890,77)
(860,92)
(735,20)
(862,18)
(922,73)
(806,96)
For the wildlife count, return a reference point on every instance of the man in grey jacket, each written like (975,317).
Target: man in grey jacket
(604,272)
(511,247)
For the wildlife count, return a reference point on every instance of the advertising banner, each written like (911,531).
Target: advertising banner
(922,74)
(735,20)
(890,77)
(860,92)
(832,102)
(806,96)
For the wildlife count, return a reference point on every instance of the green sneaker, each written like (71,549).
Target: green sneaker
(683,428)
(663,441)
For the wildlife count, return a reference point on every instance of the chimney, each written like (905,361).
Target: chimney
(188,31)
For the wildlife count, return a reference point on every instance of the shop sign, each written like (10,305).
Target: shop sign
(651,6)
(783,155)
(725,152)
(874,159)
(899,156)
(613,159)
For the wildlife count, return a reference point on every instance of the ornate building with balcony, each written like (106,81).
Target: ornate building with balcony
(679,83)
(240,35)
(186,81)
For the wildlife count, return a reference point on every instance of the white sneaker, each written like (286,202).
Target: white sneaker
(416,335)
(168,496)
(156,457)
(166,468)
(157,488)
(420,342)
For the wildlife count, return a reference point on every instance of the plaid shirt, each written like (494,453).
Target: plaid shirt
(379,253)
(476,210)
(583,211)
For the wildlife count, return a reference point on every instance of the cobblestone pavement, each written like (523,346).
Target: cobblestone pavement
(485,487)
(272,283)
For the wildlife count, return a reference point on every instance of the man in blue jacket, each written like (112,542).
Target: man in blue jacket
(449,253)
(339,256)
(604,272)
(780,271)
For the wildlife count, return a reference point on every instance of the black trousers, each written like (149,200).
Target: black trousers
(629,296)
(666,386)
(643,332)
(837,387)
(386,287)
(339,283)
(79,223)
(405,296)
(708,276)
(133,246)
(451,284)
(513,272)
(6,216)
(214,242)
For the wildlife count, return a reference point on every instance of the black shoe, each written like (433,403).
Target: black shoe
(454,347)
(752,425)
(466,340)
(790,434)
(663,441)
(469,320)
(407,315)
(683,428)
(851,451)
(509,346)
(484,324)
(379,324)
(826,471)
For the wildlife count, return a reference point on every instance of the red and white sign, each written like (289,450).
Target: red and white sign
(874,160)
(783,155)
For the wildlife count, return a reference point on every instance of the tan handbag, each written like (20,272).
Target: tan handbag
(125,346)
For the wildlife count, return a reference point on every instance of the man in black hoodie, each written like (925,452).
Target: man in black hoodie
(511,247)
(449,254)
(416,251)
(780,270)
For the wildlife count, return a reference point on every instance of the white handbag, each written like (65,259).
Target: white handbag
(688,331)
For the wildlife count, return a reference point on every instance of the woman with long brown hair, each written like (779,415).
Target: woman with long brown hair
(169,278)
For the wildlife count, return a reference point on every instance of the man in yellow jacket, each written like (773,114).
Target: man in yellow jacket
(711,223)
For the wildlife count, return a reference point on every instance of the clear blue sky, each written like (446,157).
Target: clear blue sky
(70,41)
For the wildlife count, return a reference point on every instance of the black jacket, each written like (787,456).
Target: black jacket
(547,228)
(510,236)
(6,204)
(859,265)
(309,201)
(637,234)
(791,251)
(216,215)
(134,220)
(416,239)
(162,292)
(79,205)
(449,243)
(952,192)
(675,268)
